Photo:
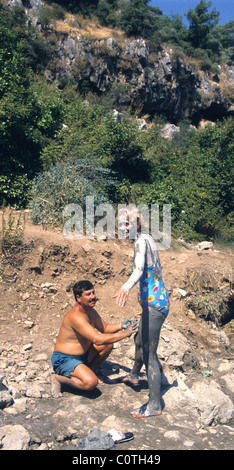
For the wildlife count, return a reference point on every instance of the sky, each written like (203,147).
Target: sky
(225,7)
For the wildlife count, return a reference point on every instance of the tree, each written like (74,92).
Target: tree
(225,35)
(201,23)
(138,19)
(105,13)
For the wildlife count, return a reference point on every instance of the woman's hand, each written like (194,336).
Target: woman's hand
(121,297)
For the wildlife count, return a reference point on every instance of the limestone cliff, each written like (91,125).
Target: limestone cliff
(143,78)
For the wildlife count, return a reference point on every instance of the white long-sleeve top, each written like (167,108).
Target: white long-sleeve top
(145,255)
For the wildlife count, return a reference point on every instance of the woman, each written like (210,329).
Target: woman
(154,300)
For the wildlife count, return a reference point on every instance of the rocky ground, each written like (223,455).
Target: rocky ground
(195,349)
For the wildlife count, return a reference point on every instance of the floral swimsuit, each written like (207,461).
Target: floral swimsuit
(147,269)
(152,292)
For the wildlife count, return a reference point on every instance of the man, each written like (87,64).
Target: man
(84,341)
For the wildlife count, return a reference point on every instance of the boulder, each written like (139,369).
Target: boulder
(6,398)
(212,404)
(97,440)
(14,437)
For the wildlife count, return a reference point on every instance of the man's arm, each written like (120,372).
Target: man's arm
(86,330)
(104,327)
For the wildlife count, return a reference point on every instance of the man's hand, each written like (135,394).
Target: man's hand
(127,322)
(132,329)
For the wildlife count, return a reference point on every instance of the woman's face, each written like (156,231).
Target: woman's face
(124,228)
(128,229)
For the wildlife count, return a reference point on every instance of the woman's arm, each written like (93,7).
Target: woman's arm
(139,264)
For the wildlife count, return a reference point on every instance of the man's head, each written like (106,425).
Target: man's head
(84,293)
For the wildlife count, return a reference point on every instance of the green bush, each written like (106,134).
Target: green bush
(12,234)
(15,190)
(68,183)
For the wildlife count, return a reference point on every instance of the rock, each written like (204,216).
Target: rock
(205,245)
(14,437)
(19,406)
(212,404)
(141,124)
(226,367)
(41,357)
(169,130)
(15,3)
(28,324)
(191,314)
(163,82)
(66,434)
(43,446)
(172,349)
(27,347)
(33,392)
(228,381)
(49,287)
(190,361)
(112,422)
(182,292)
(25,296)
(175,435)
(6,398)
(97,440)
(179,396)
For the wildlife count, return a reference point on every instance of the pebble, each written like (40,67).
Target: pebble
(25,296)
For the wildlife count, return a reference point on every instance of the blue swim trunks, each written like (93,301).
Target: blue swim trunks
(63,364)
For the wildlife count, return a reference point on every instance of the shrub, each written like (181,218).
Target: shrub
(14,189)
(12,234)
(206,65)
(67,183)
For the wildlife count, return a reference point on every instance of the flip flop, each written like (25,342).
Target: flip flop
(127,379)
(142,412)
(119,437)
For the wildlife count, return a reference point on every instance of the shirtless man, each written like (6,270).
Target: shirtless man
(84,341)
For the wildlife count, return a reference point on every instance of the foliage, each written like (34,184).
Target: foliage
(106,13)
(201,23)
(12,233)
(197,181)
(137,19)
(91,130)
(57,148)
(29,118)
(48,14)
(30,112)
(85,7)
(68,183)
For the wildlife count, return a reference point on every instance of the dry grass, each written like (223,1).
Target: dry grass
(88,28)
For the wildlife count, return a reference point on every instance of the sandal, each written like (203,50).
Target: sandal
(119,437)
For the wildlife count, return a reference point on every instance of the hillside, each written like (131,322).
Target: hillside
(143,76)
(77,100)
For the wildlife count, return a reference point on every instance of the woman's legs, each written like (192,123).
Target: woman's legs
(138,363)
(152,321)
